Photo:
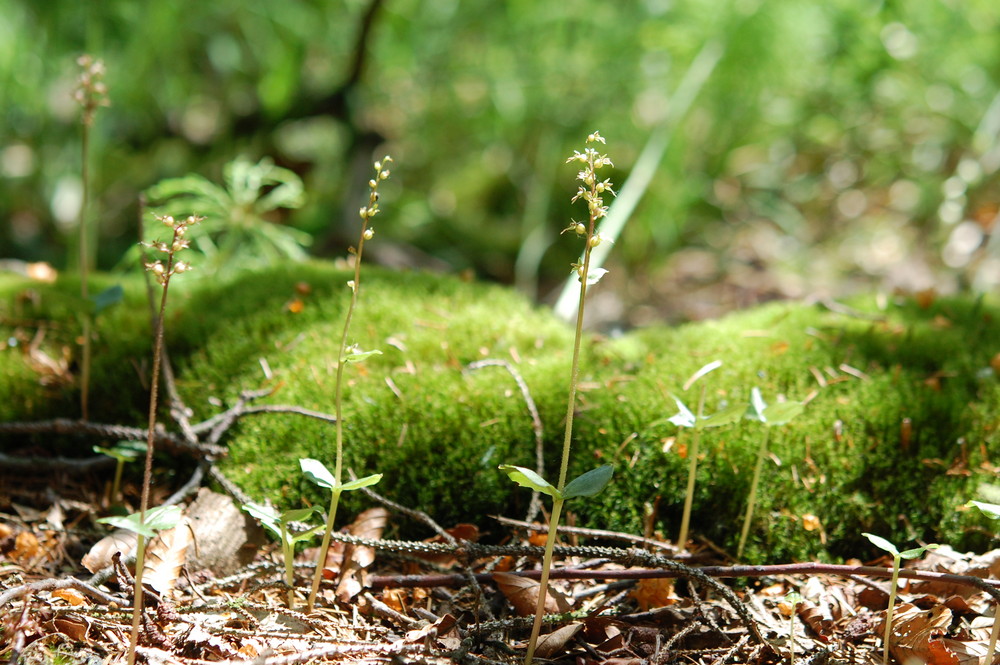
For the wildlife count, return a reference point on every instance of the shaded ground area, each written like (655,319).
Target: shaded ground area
(617,599)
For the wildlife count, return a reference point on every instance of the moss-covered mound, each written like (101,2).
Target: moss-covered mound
(899,430)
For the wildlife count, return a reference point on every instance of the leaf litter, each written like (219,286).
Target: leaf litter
(451,599)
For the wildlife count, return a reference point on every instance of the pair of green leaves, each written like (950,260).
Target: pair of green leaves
(160,518)
(587,484)
(317,473)
(277,523)
(779,413)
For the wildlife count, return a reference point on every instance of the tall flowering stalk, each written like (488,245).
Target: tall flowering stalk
(163,269)
(91,94)
(314,469)
(592,191)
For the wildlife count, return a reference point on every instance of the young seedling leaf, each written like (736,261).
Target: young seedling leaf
(882,543)
(124,451)
(361,482)
(757,406)
(726,416)
(268,517)
(683,417)
(358,356)
(590,483)
(157,519)
(917,551)
(528,478)
(783,412)
(991,510)
(106,298)
(714,365)
(317,473)
(298,514)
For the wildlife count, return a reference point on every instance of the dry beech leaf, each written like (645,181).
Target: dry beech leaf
(654,592)
(75,627)
(918,636)
(436,629)
(99,556)
(166,555)
(71,596)
(552,644)
(370,525)
(522,593)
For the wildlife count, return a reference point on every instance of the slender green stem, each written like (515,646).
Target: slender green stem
(890,609)
(757,468)
(994,634)
(692,474)
(550,543)
(85,270)
(574,373)
(116,485)
(288,554)
(324,546)
(366,216)
(147,477)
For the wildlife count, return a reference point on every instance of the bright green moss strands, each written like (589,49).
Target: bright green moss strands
(438,433)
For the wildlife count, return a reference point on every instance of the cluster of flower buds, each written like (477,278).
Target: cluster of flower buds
(592,190)
(167,268)
(91,92)
(372,209)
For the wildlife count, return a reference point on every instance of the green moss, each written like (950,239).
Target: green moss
(438,432)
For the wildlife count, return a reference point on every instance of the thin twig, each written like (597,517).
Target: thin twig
(10,595)
(598,533)
(535,506)
(122,432)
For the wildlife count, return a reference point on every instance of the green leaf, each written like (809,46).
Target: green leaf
(305,535)
(361,482)
(881,543)
(783,412)
(683,417)
(358,356)
(991,510)
(757,406)
(106,298)
(123,451)
(528,478)
(298,514)
(589,483)
(914,553)
(268,516)
(317,473)
(160,518)
(727,416)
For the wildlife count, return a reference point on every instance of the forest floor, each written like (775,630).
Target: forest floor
(65,594)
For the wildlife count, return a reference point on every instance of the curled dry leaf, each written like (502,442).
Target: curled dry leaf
(370,525)
(552,644)
(166,555)
(99,556)
(919,636)
(522,593)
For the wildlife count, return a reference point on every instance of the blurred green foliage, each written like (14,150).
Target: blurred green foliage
(833,136)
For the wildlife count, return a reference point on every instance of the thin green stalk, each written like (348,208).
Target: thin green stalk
(550,543)
(367,213)
(288,554)
(163,272)
(757,468)
(692,474)
(147,476)
(890,610)
(591,191)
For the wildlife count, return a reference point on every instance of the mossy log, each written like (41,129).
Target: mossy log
(900,429)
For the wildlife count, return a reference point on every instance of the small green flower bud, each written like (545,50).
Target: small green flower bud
(369,234)
(594,241)
(580,229)
(364,212)
(384,175)
(372,184)
(378,166)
